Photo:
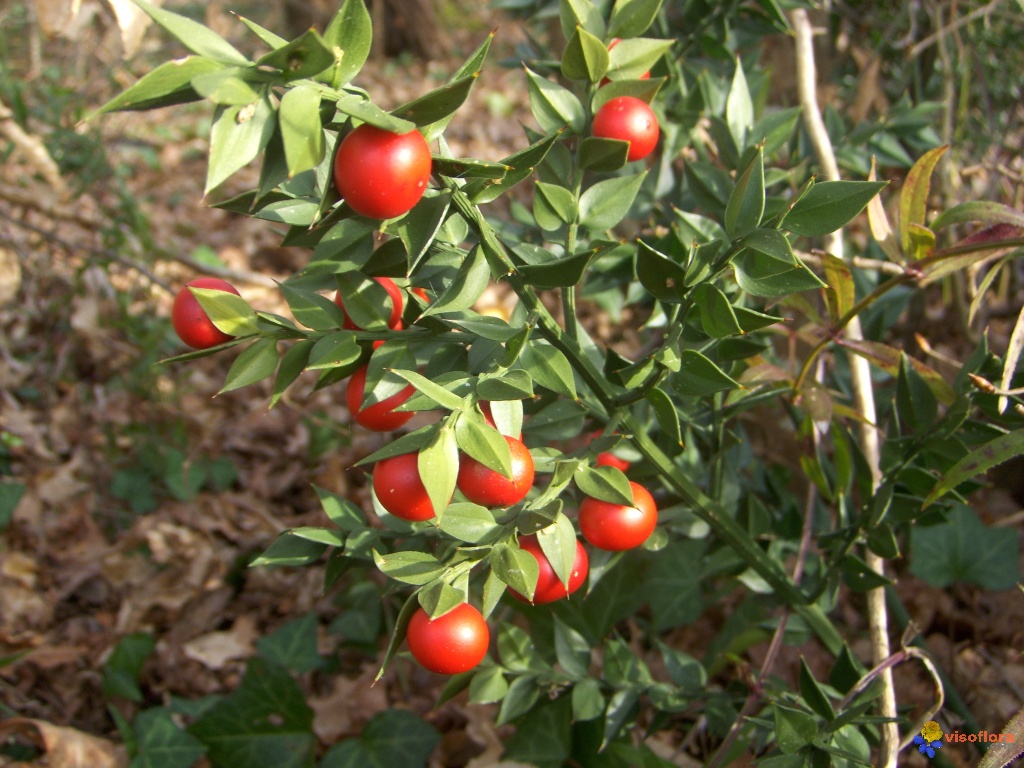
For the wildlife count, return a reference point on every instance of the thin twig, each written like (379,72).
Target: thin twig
(875,265)
(861,380)
(919,47)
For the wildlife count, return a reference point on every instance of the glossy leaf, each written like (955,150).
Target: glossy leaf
(301,133)
(409,567)
(762,274)
(194,36)
(225,86)
(580,13)
(313,310)
(418,229)
(560,273)
(469,522)
(553,106)
(739,111)
(981,211)
(716,313)
(350,33)
(160,743)
(553,206)
(828,205)
(558,542)
(631,18)
(392,737)
(305,56)
(438,465)
(255,363)
(585,57)
(168,84)
(367,112)
(437,104)
(698,376)
(521,166)
(469,283)
(745,207)
(519,570)
(603,155)
(488,686)
(238,136)
(587,701)
(633,56)
(484,443)
(549,368)
(607,202)
(661,276)
(605,483)
(666,413)
(468,168)
(228,312)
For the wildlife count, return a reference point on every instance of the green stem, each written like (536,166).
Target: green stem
(728,530)
(569,292)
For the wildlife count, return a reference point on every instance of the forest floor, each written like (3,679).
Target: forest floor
(111,535)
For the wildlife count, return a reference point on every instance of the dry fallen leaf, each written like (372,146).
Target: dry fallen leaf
(215,649)
(65,747)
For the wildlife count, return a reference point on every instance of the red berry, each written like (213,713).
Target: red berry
(190,322)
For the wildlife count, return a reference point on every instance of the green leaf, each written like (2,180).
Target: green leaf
(168,84)
(488,686)
(674,585)
(606,203)
(984,211)
(632,17)
(553,106)
(587,701)
(226,86)
(633,56)
(313,310)
(290,550)
(124,666)
(437,104)
(350,36)
(512,384)
(585,57)
(828,205)
(560,273)
(774,129)
(699,377)
(603,155)
(10,495)
(813,694)
(964,550)
(254,364)
(516,568)
(916,404)
(392,738)
(521,166)
(439,597)
(484,443)
(794,729)
(605,483)
(684,670)
(438,465)
(230,313)
(580,13)
(666,414)
(620,707)
(745,208)
(553,206)
(977,462)
(549,368)
(914,195)
(468,285)
(294,645)
(305,56)
(571,649)
(739,113)
(439,394)
(861,577)
(522,695)
(768,267)
(238,136)
(558,542)
(468,168)
(716,313)
(265,721)
(160,743)
(335,350)
(367,112)
(661,276)
(272,39)
(301,132)
(409,567)
(469,522)
(292,364)
(194,36)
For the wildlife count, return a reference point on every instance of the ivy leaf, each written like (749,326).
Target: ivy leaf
(265,721)
(160,743)
(394,737)
(964,550)
(794,729)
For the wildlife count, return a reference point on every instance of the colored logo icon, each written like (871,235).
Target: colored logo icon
(929,739)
